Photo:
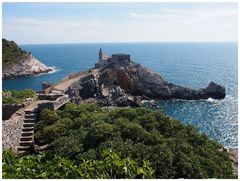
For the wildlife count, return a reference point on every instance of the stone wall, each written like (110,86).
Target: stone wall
(50,97)
(60,101)
(53,105)
(8,110)
(120,58)
(11,130)
(46,105)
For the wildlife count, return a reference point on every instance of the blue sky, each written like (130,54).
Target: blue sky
(35,23)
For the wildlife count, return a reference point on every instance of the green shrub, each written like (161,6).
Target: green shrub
(17,97)
(82,134)
(174,150)
(46,165)
(11,53)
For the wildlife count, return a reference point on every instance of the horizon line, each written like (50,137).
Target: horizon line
(128,42)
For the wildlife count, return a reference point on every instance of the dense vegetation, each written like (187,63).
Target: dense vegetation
(17,97)
(47,165)
(11,53)
(88,142)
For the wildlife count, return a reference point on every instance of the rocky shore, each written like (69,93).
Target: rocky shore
(19,63)
(25,68)
(125,83)
(234,158)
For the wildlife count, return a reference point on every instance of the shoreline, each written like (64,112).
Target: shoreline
(53,70)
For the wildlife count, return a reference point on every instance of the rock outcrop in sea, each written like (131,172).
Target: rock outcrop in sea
(19,63)
(119,81)
(25,68)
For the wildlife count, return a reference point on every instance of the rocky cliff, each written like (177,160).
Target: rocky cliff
(127,83)
(19,63)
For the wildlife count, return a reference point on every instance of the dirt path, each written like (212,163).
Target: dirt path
(65,84)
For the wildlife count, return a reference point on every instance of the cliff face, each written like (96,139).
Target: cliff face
(19,63)
(120,83)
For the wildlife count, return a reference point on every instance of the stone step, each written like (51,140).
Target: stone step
(30,115)
(30,120)
(26,143)
(24,148)
(26,138)
(30,111)
(27,129)
(29,133)
(25,125)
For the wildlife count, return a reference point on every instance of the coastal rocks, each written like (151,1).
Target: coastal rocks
(86,87)
(215,91)
(126,101)
(137,80)
(125,83)
(29,66)
(118,97)
(46,85)
(117,77)
(234,158)
(89,88)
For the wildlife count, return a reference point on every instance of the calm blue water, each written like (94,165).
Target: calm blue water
(189,64)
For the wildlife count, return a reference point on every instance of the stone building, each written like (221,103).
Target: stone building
(120,58)
(102,55)
(115,58)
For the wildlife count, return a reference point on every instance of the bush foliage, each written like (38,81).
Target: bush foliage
(47,165)
(152,144)
(17,97)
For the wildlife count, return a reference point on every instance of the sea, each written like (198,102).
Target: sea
(188,64)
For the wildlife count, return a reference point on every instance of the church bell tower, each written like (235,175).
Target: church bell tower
(100,54)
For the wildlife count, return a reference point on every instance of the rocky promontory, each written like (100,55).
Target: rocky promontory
(19,63)
(119,81)
(29,66)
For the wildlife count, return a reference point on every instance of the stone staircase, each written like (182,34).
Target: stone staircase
(26,141)
(27,135)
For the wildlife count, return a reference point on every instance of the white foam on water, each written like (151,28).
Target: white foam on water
(54,70)
(211,100)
